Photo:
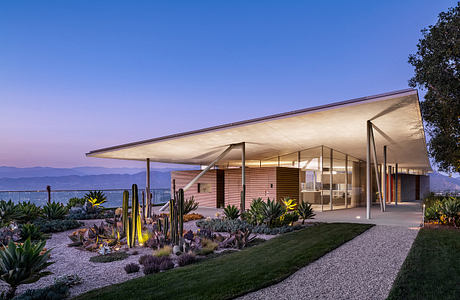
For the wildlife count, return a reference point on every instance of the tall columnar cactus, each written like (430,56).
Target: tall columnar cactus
(180,215)
(134,213)
(125,212)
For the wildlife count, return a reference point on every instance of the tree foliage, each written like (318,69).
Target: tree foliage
(437,70)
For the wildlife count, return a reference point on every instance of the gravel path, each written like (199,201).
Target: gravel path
(363,268)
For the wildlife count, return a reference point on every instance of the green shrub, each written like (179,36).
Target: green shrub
(131,268)
(54,211)
(289,218)
(23,264)
(29,211)
(450,210)
(51,226)
(305,211)
(9,212)
(114,256)
(164,251)
(231,212)
(232,226)
(32,232)
(190,205)
(75,201)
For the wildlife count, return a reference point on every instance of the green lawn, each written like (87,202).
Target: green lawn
(432,268)
(237,273)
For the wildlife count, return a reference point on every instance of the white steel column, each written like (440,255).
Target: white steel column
(330,179)
(368,171)
(346,180)
(384,182)
(147,190)
(377,174)
(396,184)
(243,177)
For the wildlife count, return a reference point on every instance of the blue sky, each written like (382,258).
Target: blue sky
(81,75)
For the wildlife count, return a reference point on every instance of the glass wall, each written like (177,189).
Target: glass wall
(339,181)
(310,177)
(328,179)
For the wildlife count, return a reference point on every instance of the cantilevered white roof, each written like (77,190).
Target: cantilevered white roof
(342,126)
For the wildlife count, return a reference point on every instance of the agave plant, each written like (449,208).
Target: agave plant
(9,212)
(54,210)
(231,212)
(98,197)
(29,211)
(305,211)
(31,232)
(255,214)
(23,264)
(190,205)
(272,212)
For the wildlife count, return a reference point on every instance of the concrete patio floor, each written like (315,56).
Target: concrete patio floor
(407,214)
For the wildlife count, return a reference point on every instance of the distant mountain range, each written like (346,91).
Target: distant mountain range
(37,178)
(442,183)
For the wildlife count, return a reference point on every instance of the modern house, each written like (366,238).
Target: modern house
(335,156)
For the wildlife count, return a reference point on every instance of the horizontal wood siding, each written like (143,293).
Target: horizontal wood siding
(204,199)
(287,183)
(260,182)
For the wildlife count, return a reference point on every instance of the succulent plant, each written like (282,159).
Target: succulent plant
(32,232)
(9,212)
(54,210)
(29,211)
(190,205)
(22,264)
(231,212)
(305,211)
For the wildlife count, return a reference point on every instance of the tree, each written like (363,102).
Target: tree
(437,70)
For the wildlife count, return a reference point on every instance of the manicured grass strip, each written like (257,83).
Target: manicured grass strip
(432,268)
(237,273)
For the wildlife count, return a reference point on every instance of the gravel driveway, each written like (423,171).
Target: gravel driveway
(363,268)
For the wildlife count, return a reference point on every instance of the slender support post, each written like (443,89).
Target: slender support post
(384,183)
(322,178)
(396,184)
(300,176)
(377,174)
(346,180)
(330,179)
(147,191)
(243,177)
(368,171)
(194,180)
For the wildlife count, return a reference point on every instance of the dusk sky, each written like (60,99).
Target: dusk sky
(81,75)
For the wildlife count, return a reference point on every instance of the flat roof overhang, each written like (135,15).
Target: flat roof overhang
(342,126)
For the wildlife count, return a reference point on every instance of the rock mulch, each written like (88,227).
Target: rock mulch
(363,268)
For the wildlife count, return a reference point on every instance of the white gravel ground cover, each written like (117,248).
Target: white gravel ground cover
(363,268)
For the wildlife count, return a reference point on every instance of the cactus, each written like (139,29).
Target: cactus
(180,215)
(125,212)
